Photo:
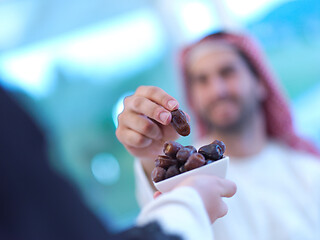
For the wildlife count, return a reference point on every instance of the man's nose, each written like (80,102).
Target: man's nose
(217,86)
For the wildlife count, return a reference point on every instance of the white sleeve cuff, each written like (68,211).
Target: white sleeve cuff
(180,212)
(144,192)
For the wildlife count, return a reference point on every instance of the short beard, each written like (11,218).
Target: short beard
(244,120)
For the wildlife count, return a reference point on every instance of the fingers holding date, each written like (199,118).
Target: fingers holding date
(145,122)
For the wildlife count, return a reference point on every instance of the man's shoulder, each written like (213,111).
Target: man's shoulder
(300,160)
(296,153)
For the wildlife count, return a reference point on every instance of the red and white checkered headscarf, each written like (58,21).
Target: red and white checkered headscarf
(276,109)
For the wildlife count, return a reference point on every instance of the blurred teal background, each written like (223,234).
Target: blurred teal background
(71,63)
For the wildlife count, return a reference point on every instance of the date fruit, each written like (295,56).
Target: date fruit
(179,159)
(180,122)
(183,154)
(172,171)
(221,144)
(171,148)
(194,161)
(164,161)
(211,151)
(158,174)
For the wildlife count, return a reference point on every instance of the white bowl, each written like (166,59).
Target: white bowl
(218,168)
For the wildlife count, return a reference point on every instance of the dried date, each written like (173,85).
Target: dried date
(194,161)
(179,159)
(158,174)
(172,171)
(221,144)
(211,151)
(171,148)
(164,161)
(180,122)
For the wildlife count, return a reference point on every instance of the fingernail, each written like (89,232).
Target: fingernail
(172,104)
(164,117)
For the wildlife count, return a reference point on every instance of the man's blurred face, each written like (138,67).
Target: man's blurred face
(224,91)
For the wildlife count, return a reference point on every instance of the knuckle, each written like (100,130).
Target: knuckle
(136,103)
(118,134)
(140,140)
(147,127)
(156,112)
(151,90)
(127,100)
(141,89)
(225,209)
(147,90)
(120,118)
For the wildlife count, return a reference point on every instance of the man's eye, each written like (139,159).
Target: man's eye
(227,71)
(200,80)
